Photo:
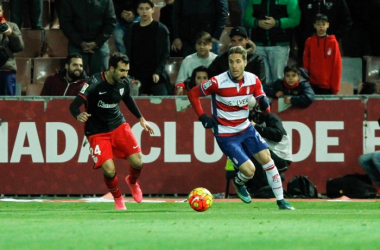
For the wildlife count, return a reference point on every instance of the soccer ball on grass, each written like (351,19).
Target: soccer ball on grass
(200,199)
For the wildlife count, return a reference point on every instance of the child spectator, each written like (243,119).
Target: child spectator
(322,59)
(296,90)
(199,75)
(203,56)
(148,48)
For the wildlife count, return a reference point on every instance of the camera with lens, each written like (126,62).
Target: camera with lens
(3,27)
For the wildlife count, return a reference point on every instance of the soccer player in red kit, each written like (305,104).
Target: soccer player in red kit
(105,126)
(230,93)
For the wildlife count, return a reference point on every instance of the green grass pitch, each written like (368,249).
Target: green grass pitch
(226,225)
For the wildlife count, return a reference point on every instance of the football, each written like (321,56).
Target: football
(200,199)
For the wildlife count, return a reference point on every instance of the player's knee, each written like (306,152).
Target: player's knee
(136,161)
(109,173)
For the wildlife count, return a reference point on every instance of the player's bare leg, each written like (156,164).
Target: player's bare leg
(245,173)
(112,183)
(134,173)
(273,177)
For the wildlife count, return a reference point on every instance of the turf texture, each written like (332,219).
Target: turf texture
(226,225)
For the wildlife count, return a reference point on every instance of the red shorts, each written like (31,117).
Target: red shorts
(119,143)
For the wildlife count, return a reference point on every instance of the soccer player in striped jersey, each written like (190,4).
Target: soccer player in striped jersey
(237,138)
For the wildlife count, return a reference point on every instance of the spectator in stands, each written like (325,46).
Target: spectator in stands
(34,7)
(255,63)
(369,88)
(295,89)
(193,16)
(166,14)
(148,48)
(322,59)
(371,164)
(68,81)
(126,15)
(337,13)
(199,75)
(88,33)
(203,57)
(271,23)
(11,42)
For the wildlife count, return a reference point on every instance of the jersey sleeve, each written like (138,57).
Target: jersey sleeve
(258,90)
(209,87)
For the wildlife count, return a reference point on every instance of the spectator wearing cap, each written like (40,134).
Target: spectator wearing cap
(271,24)
(255,63)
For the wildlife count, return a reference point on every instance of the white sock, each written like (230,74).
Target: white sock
(274,179)
(241,178)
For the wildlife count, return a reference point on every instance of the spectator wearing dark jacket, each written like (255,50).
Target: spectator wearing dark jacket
(255,63)
(148,48)
(272,23)
(295,89)
(190,17)
(68,81)
(11,42)
(88,25)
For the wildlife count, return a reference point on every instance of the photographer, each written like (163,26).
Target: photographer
(11,42)
(371,164)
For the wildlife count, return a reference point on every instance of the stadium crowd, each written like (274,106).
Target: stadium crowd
(96,32)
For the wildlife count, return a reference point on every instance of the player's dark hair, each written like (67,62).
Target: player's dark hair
(150,2)
(1,5)
(203,37)
(117,57)
(194,75)
(293,68)
(238,50)
(369,88)
(71,56)
(321,18)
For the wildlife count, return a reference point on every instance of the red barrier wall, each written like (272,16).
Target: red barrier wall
(41,146)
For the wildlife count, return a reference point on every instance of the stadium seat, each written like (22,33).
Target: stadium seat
(346,88)
(34,89)
(33,43)
(224,40)
(361,84)
(44,67)
(24,72)
(372,69)
(55,43)
(172,67)
(352,70)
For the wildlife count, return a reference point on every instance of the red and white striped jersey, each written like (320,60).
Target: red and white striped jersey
(230,101)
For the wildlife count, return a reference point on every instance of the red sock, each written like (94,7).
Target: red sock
(134,174)
(113,186)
